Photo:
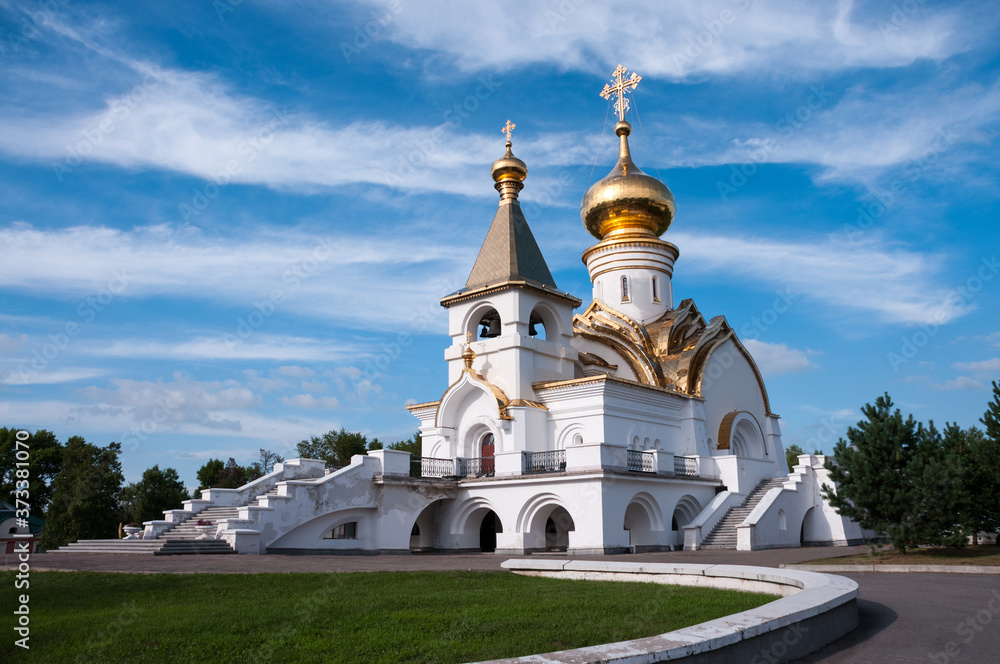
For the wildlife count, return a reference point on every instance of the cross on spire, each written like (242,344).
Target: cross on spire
(507,129)
(618,87)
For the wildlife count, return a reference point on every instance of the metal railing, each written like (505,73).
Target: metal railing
(686,466)
(639,461)
(431,467)
(478,467)
(552,461)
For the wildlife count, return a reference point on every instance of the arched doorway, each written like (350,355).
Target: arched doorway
(557,527)
(487,449)
(488,530)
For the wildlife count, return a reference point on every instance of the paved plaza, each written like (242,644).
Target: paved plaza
(917,617)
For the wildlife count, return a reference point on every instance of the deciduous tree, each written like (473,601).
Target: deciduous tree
(44,458)
(86,492)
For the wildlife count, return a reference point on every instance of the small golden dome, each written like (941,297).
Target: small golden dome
(508,173)
(627,201)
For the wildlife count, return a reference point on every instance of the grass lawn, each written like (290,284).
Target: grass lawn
(360,617)
(984,554)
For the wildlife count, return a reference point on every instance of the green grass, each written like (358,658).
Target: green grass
(361,617)
(987,555)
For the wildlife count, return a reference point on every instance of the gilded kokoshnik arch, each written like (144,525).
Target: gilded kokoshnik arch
(631,425)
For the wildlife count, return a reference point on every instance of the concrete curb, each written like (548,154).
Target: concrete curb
(900,569)
(820,605)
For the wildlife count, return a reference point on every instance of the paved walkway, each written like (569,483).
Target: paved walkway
(936,618)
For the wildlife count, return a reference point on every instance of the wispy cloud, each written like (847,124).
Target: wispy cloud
(774,359)
(679,40)
(959,383)
(990,366)
(336,276)
(908,291)
(310,402)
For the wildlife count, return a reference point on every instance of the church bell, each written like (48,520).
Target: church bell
(493,330)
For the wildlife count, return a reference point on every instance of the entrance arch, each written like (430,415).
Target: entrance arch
(557,527)
(644,522)
(684,513)
(545,524)
(488,529)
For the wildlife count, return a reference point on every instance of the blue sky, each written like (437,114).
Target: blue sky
(227,225)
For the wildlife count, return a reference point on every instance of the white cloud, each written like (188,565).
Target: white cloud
(296,371)
(959,383)
(774,359)
(678,40)
(991,366)
(338,276)
(309,401)
(9,344)
(258,347)
(26,375)
(908,283)
(212,404)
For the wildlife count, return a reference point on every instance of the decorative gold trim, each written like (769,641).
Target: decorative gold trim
(621,243)
(545,386)
(498,395)
(594,276)
(726,430)
(524,403)
(490,289)
(420,406)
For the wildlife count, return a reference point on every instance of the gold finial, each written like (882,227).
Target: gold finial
(468,354)
(618,87)
(507,129)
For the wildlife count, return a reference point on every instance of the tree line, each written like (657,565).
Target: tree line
(79,490)
(916,484)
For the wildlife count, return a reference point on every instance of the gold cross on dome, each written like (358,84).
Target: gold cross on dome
(618,87)
(507,129)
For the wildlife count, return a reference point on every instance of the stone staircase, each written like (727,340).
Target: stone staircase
(185,530)
(180,540)
(155,547)
(723,536)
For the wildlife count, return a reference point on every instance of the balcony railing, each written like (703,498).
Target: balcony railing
(639,461)
(431,467)
(480,467)
(552,461)
(687,466)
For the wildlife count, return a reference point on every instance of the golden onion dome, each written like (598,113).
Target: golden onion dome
(627,201)
(508,173)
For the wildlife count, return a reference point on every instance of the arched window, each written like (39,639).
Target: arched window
(625,294)
(656,289)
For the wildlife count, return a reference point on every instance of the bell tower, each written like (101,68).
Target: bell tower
(510,312)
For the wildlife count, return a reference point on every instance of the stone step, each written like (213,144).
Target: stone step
(147,547)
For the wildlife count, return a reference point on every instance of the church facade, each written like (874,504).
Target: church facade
(633,425)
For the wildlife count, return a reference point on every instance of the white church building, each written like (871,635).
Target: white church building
(632,425)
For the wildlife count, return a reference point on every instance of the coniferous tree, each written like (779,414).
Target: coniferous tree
(86,493)
(937,474)
(870,472)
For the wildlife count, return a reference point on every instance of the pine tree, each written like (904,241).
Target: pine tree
(991,418)
(869,471)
